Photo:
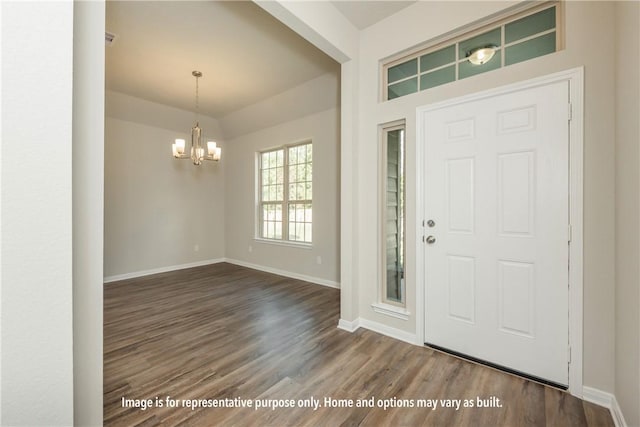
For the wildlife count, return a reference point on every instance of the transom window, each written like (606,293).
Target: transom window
(285,193)
(514,39)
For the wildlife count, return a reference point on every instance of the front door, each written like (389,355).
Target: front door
(496,205)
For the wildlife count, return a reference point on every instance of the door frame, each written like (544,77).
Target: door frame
(575,78)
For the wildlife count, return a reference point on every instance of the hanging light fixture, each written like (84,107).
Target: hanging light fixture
(197,154)
(481,55)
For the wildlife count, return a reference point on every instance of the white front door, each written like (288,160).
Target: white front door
(496,195)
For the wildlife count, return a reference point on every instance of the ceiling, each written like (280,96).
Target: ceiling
(244,54)
(363,14)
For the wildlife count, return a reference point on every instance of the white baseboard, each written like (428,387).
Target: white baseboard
(142,273)
(316,280)
(608,400)
(388,331)
(277,271)
(377,327)
(348,326)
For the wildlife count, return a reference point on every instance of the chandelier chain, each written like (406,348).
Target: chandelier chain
(197,99)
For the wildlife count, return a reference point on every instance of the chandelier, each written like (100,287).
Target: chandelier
(197,154)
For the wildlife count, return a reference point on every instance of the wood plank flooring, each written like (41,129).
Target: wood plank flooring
(223,331)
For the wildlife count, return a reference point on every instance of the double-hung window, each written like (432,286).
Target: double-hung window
(285,197)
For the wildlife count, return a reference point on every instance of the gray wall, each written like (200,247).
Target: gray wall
(240,204)
(159,212)
(627,326)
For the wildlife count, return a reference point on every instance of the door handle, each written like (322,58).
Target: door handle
(431,240)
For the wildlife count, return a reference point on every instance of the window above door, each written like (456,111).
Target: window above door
(501,42)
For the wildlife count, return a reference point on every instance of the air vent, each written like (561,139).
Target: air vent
(109,39)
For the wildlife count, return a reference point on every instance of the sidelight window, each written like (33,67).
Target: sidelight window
(392,227)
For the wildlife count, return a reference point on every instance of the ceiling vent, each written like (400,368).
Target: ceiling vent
(109,39)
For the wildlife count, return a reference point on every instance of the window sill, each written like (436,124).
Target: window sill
(284,243)
(391,310)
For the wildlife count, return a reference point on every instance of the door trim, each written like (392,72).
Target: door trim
(575,78)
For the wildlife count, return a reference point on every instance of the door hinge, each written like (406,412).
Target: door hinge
(569,354)
(569,112)
(569,231)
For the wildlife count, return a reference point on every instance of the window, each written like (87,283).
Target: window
(517,38)
(392,226)
(285,193)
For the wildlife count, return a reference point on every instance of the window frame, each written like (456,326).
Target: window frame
(467,32)
(285,203)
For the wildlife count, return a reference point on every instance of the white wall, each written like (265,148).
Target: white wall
(159,211)
(627,362)
(36,205)
(589,28)
(88,212)
(323,129)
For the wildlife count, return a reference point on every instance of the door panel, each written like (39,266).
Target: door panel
(496,185)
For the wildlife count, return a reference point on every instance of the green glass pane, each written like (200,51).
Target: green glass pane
(403,88)
(437,78)
(467,69)
(530,25)
(400,71)
(489,38)
(533,48)
(438,58)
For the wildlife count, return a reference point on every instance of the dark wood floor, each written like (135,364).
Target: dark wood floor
(224,331)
